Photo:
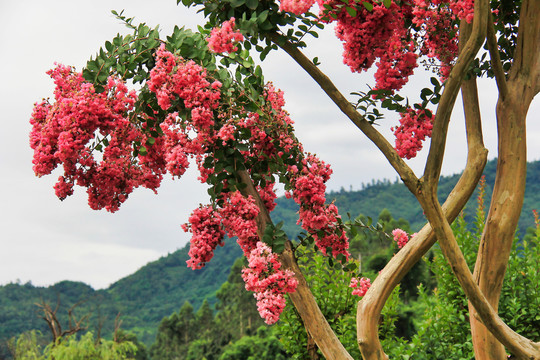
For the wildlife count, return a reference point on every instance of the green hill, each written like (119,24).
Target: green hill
(142,299)
(394,196)
(162,286)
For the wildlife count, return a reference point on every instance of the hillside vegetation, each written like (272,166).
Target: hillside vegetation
(161,287)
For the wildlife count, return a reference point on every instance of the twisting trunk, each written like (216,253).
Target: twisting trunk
(502,219)
(516,94)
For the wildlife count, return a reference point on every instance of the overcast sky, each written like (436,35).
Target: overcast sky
(45,241)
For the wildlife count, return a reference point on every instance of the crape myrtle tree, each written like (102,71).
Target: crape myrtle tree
(200,96)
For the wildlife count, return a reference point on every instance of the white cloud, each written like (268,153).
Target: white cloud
(45,260)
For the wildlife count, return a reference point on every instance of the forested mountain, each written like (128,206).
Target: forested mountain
(142,299)
(161,287)
(394,196)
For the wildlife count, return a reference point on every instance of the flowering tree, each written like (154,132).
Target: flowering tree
(202,97)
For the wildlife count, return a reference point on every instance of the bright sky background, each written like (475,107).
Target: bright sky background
(45,241)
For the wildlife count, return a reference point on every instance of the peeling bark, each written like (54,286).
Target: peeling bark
(515,96)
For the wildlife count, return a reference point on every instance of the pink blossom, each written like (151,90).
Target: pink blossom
(297,7)
(360,286)
(316,217)
(415,126)
(226,133)
(239,219)
(377,34)
(205,225)
(463,9)
(438,26)
(64,132)
(400,237)
(223,39)
(173,78)
(268,281)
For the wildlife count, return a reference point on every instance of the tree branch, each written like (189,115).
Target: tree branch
(500,76)
(517,344)
(303,300)
(526,63)
(520,346)
(432,170)
(404,171)
(370,307)
(496,242)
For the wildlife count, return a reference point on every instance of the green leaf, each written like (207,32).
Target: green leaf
(387,3)
(87,74)
(92,66)
(237,3)
(150,141)
(368,6)
(352,11)
(262,17)
(102,77)
(143,151)
(341,257)
(278,248)
(109,46)
(252,4)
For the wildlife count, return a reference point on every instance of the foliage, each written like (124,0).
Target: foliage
(436,323)
(264,345)
(443,329)
(27,346)
(331,287)
(140,296)
(87,348)
(72,348)
(236,329)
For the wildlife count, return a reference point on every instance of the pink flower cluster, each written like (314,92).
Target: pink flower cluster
(65,132)
(176,146)
(238,213)
(205,225)
(268,281)
(438,22)
(239,219)
(297,7)
(463,9)
(381,33)
(275,141)
(400,237)
(377,34)
(316,217)
(173,78)
(415,126)
(223,39)
(360,286)
(82,121)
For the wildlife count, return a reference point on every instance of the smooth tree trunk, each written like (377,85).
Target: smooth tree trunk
(515,95)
